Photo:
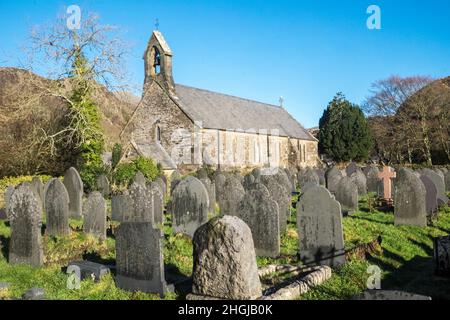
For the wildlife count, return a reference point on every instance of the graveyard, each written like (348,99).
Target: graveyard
(404,253)
(299,153)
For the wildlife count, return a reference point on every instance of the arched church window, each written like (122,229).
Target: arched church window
(158,134)
(156,56)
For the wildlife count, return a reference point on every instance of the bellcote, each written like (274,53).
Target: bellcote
(158,62)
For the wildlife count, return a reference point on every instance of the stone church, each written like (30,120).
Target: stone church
(184,127)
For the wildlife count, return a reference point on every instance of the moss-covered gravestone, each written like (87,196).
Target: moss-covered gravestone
(25,211)
(56,208)
(95,215)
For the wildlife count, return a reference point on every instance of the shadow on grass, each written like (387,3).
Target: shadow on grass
(370,219)
(182,283)
(4,246)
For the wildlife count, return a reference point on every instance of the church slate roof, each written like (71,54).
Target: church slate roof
(221,111)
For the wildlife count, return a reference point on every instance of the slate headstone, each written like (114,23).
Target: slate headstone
(360,180)
(347,195)
(308,175)
(319,223)
(90,270)
(175,178)
(211,188)
(441,249)
(95,215)
(7,196)
(231,192)
(351,169)
(225,261)
(282,197)
(103,185)
(333,175)
(139,258)
(439,183)
(121,207)
(25,210)
(260,213)
(74,186)
(321,175)
(38,187)
(431,195)
(373,181)
(56,209)
(140,178)
(157,200)
(189,206)
(409,199)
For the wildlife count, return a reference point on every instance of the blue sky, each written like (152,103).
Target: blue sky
(305,51)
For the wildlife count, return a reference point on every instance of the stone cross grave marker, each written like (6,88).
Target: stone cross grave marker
(386,176)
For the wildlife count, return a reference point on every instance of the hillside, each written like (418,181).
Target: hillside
(30,111)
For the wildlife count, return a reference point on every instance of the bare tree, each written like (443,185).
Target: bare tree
(52,51)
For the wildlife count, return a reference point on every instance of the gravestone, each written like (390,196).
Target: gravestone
(439,183)
(249,179)
(56,209)
(141,204)
(373,180)
(347,195)
(386,177)
(139,258)
(95,215)
(260,213)
(219,182)
(351,169)
(202,174)
(189,206)
(7,197)
(292,175)
(281,178)
(139,178)
(431,203)
(231,192)
(333,176)
(38,188)
(360,180)
(441,249)
(157,200)
(162,185)
(409,199)
(103,186)
(282,197)
(319,224)
(25,211)
(34,294)
(321,175)
(308,175)
(90,270)
(121,207)
(175,178)
(74,186)
(225,261)
(211,188)
(447,181)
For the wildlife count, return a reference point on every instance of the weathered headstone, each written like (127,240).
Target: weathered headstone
(441,248)
(281,177)
(219,181)
(90,270)
(321,175)
(56,208)
(189,206)
(319,223)
(231,192)
(157,200)
(141,204)
(431,202)
(386,176)
(439,183)
(38,188)
(121,207)
(162,185)
(103,185)
(74,187)
(347,195)
(281,196)
(260,213)
(7,197)
(447,181)
(140,178)
(175,178)
(211,188)
(333,176)
(95,215)
(139,258)
(308,175)
(360,180)
(373,181)
(225,261)
(409,199)
(25,211)
(34,294)
(202,174)
(351,169)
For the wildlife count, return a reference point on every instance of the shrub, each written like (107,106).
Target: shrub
(116,155)
(125,172)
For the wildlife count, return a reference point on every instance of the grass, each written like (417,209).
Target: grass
(405,260)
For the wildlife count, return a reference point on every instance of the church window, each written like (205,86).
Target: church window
(158,134)
(156,56)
